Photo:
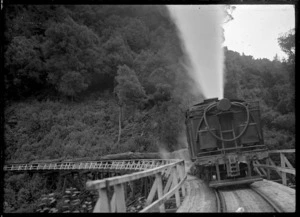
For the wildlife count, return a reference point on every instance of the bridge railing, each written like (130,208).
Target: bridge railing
(285,166)
(134,165)
(169,180)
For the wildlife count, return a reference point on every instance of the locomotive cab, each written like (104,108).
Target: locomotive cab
(225,137)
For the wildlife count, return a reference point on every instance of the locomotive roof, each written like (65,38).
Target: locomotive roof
(209,101)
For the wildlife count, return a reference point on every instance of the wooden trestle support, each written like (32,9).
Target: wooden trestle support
(168,181)
(282,170)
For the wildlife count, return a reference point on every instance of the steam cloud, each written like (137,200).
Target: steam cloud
(200,29)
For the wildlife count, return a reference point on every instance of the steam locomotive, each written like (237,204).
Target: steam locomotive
(224,138)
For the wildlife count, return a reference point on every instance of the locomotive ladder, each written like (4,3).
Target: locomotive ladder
(232,165)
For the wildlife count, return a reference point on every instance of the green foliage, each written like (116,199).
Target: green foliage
(69,48)
(128,89)
(286,122)
(278,139)
(117,54)
(52,129)
(21,190)
(287,44)
(163,93)
(72,83)
(10,196)
(46,44)
(23,196)
(136,34)
(23,58)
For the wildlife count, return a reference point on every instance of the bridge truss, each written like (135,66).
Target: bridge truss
(107,165)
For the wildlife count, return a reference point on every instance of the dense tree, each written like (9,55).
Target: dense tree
(92,41)
(136,35)
(23,58)
(71,47)
(128,90)
(117,53)
(72,83)
(287,44)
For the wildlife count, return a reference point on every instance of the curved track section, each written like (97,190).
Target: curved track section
(201,198)
(283,196)
(221,205)
(246,200)
(274,205)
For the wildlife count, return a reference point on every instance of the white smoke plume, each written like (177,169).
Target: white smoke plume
(200,28)
(164,154)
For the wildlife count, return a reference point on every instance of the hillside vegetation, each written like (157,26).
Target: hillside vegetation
(86,81)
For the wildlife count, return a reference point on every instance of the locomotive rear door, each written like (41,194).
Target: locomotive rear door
(227,130)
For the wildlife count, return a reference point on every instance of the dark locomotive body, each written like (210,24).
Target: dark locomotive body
(225,137)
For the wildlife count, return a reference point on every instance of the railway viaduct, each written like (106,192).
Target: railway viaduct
(166,180)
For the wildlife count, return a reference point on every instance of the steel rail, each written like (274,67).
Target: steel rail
(221,205)
(270,202)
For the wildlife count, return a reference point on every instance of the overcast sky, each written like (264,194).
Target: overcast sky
(255,29)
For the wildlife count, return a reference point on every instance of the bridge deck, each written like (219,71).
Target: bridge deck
(282,195)
(200,198)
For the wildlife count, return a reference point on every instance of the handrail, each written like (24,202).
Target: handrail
(284,168)
(164,198)
(281,169)
(126,178)
(175,181)
(282,151)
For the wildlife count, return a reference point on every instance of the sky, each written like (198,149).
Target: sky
(255,29)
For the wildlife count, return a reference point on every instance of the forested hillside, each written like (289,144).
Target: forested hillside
(92,80)
(86,81)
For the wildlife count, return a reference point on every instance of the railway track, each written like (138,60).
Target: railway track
(221,205)
(274,205)
(243,199)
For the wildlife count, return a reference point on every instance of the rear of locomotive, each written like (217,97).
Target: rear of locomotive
(225,137)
